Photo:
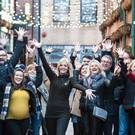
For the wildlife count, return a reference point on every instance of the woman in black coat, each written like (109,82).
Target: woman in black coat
(61,83)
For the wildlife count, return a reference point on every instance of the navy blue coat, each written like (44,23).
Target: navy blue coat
(7,68)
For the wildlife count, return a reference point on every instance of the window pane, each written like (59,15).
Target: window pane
(61,10)
(88,11)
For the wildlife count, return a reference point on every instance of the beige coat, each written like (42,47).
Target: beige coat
(75,103)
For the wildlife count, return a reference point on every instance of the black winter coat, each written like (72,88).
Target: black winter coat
(60,87)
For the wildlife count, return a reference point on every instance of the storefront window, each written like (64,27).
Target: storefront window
(58,52)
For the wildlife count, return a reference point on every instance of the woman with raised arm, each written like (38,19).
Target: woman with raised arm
(19,104)
(61,83)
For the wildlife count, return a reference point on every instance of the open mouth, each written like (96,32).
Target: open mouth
(94,69)
(18,80)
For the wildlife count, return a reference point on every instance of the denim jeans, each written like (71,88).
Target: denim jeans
(77,125)
(123,121)
(36,123)
(75,119)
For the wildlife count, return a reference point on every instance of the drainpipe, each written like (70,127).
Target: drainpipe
(133,27)
(125,21)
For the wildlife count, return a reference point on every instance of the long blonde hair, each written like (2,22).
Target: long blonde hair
(70,69)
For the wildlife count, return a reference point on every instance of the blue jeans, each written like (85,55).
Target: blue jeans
(75,119)
(36,123)
(123,121)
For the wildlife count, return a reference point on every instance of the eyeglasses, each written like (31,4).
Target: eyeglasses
(108,62)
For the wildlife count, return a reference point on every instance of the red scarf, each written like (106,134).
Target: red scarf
(131,77)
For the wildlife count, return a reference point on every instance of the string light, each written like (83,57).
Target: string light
(73,17)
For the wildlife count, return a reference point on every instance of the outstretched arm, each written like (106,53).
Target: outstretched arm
(19,47)
(50,73)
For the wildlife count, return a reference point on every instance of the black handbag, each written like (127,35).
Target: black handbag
(100,113)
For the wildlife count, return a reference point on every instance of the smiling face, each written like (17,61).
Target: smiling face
(94,68)
(106,62)
(63,68)
(84,70)
(18,77)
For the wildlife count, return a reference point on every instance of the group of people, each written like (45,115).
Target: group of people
(112,80)
(103,100)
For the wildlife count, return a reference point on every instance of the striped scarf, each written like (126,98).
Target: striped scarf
(5,102)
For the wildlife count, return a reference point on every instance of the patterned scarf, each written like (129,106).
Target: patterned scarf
(5,101)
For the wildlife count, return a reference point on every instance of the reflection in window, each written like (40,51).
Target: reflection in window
(88,11)
(61,10)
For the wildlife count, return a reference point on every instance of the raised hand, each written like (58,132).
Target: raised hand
(120,52)
(20,33)
(77,48)
(95,48)
(117,70)
(49,50)
(65,52)
(36,43)
(89,94)
(107,45)
(3,40)
(31,50)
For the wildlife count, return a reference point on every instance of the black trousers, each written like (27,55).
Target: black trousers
(111,125)
(17,127)
(77,128)
(2,127)
(91,125)
(57,126)
(131,114)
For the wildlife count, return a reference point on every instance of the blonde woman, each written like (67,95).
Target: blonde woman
(61,83)
(96,82)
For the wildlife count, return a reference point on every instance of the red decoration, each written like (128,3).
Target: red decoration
(44,34)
